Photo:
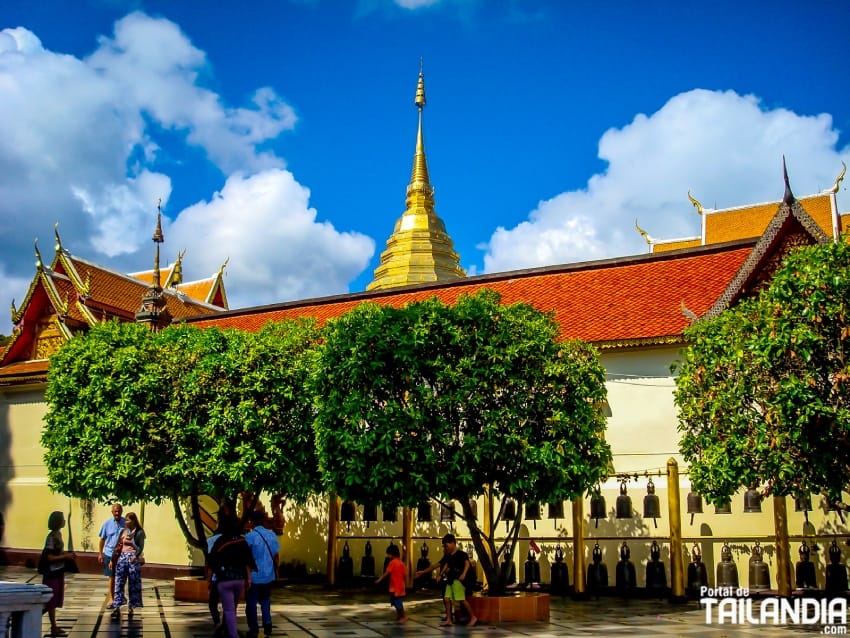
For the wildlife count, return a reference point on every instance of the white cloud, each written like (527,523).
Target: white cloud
(277,250)
(79,144)
(724,147)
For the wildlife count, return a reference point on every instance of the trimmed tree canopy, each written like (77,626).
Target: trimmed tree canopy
(134,415)
(444,401)
(763,388)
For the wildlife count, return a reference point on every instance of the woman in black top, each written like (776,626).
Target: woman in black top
(231,561)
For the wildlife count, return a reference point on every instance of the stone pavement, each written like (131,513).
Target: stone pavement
(309,610)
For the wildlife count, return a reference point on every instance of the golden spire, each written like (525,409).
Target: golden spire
(419,250)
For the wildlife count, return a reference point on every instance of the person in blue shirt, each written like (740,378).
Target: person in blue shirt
(265,548)
(109,533)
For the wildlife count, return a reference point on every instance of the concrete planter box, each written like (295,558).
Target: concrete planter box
(520,607)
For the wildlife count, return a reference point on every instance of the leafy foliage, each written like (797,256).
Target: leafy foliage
(452,401)
(184,412)
(763,387)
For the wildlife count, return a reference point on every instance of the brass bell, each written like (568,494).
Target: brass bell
(348,512)
(803,504)
(759,571)
(724,508)
(532,513)
(805,570)
(597,507)
(752,501)
(697,572)
(836,573)
(559,574)
(389,514)
(423,513)
(447,513)
(509,512)
(727,571)
(624,502)
(694,504)
(556,510)
(370,512)
(651,504)
(656,577)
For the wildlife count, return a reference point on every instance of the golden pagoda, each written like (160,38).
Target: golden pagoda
(419,250)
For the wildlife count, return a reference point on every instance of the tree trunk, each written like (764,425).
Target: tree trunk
(200,542)
(485,546)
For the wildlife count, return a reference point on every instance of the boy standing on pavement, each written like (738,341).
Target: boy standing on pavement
(265,548)
(397,572)
(109,533)
(455,567)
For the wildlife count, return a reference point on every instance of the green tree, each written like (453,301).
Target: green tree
(762,389)
(458,401)
(184,412)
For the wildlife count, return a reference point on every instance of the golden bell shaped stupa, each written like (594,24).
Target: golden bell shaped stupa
(419,250)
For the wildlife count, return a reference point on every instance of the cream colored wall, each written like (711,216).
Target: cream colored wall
(26,501)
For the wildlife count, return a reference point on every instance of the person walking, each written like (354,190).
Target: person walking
(53,568)
(397,573)
(265,549)
(109,532)
(232,562)
(454,569)
(127,559)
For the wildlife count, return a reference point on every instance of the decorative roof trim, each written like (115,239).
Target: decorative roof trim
(667,340)
(764,247)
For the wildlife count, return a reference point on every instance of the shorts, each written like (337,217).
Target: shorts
(106,570)
(455,591)
(397,602)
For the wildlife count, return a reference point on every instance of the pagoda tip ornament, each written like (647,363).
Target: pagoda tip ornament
(419,249)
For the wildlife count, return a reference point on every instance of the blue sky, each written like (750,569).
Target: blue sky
(280,133)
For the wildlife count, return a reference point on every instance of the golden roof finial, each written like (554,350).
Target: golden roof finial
(419,250)
(38,262)
(223,266)
(696,203)
(643,233)
(58,239)
(838,179)
(419,179)
(177,276)
(14,310)
(788,197)
(158,237)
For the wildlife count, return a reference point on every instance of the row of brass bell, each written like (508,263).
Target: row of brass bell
(623,506)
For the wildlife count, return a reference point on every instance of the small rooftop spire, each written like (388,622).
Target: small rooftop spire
(419,179)
(788,198)
(153,310)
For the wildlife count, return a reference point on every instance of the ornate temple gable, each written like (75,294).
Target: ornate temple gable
(72,294)
(790,227)
(751,221)
(419,249)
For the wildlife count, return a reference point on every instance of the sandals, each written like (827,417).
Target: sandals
(58,631)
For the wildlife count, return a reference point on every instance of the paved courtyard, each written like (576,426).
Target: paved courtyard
(308,610)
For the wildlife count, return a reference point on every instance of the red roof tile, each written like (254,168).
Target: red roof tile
(613,300)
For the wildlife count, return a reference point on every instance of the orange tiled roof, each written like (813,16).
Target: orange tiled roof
(23,369)
(626,299)
(675,244)
(198,289)
(118,294)
(750,221)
